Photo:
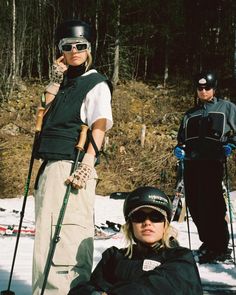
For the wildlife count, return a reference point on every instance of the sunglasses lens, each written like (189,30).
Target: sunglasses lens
(138,216)
(207,88)
(141,216)
(81,46)
(66,47)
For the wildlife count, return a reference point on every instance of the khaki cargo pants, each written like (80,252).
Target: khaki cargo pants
(73,257)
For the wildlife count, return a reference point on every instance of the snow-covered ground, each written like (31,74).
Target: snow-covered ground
(215,278)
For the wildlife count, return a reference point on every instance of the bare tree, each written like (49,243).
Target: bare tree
(96,28)
(39,59)
(12,76)
(140,39)
(115,77)
(234,34)
(166,65)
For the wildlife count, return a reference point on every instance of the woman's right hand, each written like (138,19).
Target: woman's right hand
(57,75)
(58,69)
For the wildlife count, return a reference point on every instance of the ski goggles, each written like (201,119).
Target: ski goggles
(207,88)
(68,47)
(140,216)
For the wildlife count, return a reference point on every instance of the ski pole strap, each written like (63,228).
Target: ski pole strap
(91,139)
(40,172)
(105,156)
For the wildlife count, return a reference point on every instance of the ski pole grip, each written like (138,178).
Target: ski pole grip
(39,119)
(82,137)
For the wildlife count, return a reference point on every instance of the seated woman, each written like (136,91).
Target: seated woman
(153,263)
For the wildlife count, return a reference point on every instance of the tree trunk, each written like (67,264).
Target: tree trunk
(166,70)
(235,52)
(145,62)
(39,58)
(97,30)
(12,79)
(115,77)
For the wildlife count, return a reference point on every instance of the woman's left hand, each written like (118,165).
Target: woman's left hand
(82,174)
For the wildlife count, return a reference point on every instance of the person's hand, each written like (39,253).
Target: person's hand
(82,174)
(179,152)
(58,70)
(228,148)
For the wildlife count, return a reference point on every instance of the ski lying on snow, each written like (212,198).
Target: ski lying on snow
(12,230)
(107,230)
(9,231)
(104,231)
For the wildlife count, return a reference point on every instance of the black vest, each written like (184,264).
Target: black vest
(62,122)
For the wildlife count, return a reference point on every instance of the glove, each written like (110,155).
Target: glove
(79,178)
(228,148)
(179,152)
(58,69)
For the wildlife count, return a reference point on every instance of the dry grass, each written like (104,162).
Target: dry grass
(127,164)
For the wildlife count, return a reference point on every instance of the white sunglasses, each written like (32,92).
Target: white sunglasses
(78,46)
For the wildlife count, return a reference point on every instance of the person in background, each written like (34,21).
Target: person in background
(153,262)
(207,135)
(76,95)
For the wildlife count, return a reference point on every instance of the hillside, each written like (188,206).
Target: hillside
(125,163)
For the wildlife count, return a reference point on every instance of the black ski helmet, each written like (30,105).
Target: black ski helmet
(206,78)
(73,29)
(147,196)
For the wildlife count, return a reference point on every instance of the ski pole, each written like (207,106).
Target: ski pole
(178,191)
(230,209)
(188,226)
(38,127)
(178,208)
(56,236)
(186,205)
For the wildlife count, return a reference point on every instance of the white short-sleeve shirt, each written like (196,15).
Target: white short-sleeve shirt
(97,104)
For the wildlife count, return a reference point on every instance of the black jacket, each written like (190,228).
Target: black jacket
(206,127)
(169,271)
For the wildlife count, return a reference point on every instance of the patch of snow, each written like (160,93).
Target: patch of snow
(214,277)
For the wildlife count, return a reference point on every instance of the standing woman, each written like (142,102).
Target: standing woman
(153,263)
(76,95)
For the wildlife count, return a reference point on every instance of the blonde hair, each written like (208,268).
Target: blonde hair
(89,61)
(169,234)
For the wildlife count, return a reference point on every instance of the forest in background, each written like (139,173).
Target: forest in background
(145,40)
(149,49)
